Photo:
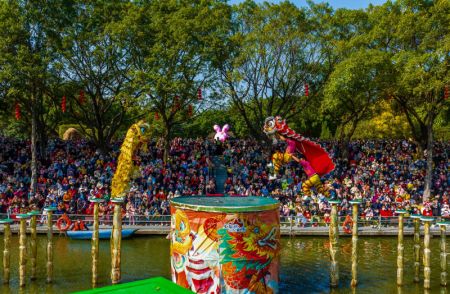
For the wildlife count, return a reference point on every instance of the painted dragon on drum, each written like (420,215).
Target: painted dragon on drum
(316,162)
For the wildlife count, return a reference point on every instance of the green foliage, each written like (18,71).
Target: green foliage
(251,61)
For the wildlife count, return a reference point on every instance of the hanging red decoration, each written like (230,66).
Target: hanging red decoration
(81,98)
(199,94)
(156,116)
(446,92)
(176,103)
(306,90)
(190,110)
(63,104)
(17,111)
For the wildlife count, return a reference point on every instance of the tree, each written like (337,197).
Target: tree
(353,88)
(95,64)
(26,73)
(420,44)
(269,60)
(171,45)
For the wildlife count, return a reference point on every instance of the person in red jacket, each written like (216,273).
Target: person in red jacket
(427,210)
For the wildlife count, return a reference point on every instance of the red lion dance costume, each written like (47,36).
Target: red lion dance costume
(317,164)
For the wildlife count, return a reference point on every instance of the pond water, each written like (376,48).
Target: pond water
(304,265)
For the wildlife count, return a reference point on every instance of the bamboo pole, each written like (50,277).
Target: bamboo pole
(426,252)
(94,250)
(355,204)
(116,239)
(416,218)
(334,239)
(443,255)
(49,211)
(33,243)
(22,248)
(400,247)
(6,250)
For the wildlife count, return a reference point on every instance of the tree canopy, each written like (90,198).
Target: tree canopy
(185,65)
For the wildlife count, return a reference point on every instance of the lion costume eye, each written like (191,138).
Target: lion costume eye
(271,123)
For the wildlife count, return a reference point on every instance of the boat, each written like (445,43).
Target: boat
(102,234)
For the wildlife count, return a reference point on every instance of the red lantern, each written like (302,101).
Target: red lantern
(446,92)
(156,116)
(81,98)
(199,93)
(17,110)
(63,104)
(190,110)
(176,103)
(306,90)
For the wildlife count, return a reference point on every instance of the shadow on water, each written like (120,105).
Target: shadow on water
(304,265)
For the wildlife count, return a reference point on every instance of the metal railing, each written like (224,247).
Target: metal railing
(285,221)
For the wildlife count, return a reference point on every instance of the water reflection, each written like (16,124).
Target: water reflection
(304,265)
(376,266)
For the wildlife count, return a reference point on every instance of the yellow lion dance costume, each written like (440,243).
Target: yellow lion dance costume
(136,137)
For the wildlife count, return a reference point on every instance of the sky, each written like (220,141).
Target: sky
(350,4)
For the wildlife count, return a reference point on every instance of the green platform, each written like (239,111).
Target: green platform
(154,285)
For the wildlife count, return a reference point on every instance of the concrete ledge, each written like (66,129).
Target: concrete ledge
(285,230)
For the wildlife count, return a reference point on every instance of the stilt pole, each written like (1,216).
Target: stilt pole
(334,239)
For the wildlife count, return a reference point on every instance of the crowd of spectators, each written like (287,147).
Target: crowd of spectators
(384,174)
(74,171)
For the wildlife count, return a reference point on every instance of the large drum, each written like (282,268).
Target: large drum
(225,244)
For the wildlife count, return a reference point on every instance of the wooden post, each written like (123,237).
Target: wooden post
(355,204)
(400,247)
(94,250)
(334,239)
(426,252)
(443,255)
(33,244)
(49,211)
(22,248)
(6,250)
(416,218)
(116,239)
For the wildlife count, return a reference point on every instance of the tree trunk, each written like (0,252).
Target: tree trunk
(101,142)
(33,185)
(429,175)
(343,144)
(41,142)
(167,133)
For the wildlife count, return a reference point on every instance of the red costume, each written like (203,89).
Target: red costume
(318,158)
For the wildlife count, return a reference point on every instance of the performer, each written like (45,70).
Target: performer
(316,162)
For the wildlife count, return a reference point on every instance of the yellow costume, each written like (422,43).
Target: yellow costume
(279,159)
(136,138)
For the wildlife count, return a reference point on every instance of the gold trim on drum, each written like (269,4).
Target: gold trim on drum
(250,209)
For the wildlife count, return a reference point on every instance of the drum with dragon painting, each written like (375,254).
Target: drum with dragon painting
(225,244)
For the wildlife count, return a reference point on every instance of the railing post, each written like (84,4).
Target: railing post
(379,222)
(22,248)
(116,239)
(426,252)
(334,239)
(94,249)
(355,204)
(33,244)
(6,250)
